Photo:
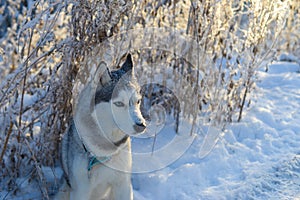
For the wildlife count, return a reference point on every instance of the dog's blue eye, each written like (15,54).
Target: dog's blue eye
(119,104)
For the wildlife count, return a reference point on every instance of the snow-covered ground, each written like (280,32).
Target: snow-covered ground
(258,158)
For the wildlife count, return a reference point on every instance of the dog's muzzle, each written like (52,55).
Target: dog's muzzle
(139,127)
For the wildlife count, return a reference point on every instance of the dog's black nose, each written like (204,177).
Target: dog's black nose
(139,127)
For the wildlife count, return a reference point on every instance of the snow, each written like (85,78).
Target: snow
(258,158)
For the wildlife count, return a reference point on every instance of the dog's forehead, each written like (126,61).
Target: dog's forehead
(127,93)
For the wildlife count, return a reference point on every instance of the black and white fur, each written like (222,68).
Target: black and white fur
(100,129)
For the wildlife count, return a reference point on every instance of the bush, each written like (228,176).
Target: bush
(45,43)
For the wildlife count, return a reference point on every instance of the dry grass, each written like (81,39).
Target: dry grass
(45,45)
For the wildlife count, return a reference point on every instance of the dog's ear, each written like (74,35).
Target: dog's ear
(127,66)
(105,77)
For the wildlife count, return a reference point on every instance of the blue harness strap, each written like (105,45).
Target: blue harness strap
(93,161)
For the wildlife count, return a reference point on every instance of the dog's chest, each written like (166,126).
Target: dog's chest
(97,179)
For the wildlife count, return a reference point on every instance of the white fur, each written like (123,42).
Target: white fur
(111,180)
(101,132)
(102,182)
(121,118)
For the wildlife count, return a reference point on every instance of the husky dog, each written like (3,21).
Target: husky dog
(96,152)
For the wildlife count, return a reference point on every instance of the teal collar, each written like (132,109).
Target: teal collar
(93,161)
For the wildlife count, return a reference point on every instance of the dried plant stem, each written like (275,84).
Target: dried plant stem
(243,102)
(247,88)
(6,141)
(39,171)
(23,89)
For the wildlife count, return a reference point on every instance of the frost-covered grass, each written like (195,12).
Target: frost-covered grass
(44,44)
(257,158)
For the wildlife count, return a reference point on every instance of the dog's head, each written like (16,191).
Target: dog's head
(118,100)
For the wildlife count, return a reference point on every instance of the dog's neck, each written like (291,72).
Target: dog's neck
(118,144)
(108,127)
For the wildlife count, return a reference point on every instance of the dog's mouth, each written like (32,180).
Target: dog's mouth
(139,128)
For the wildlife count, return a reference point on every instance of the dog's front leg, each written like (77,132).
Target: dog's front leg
(63,193)
(123,189)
